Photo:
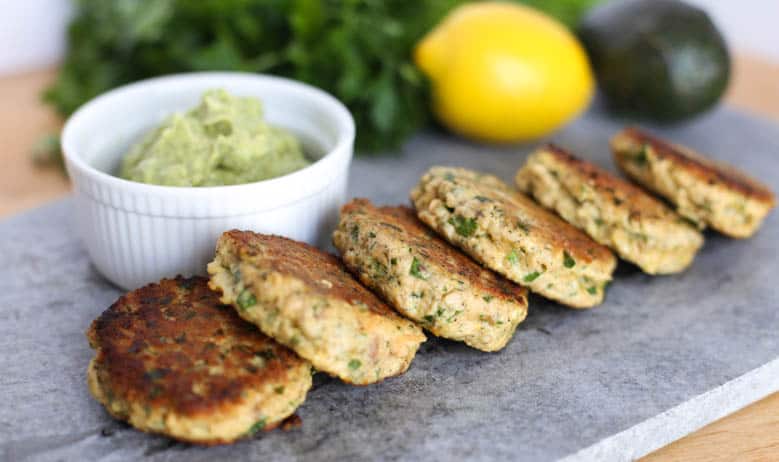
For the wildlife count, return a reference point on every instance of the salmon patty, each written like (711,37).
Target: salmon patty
(427,280)
(171,359)
(305,299)
(707,192)
(509,233)
(617,214)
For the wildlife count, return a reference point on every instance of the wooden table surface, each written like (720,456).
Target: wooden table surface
(749,434)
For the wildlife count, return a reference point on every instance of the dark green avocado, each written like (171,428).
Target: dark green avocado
(660,59)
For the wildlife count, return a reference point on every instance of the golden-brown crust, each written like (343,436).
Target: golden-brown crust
(322,272)
(403,221)
(706,169)
(545,227)
(550,229)
(160,345)
(622,193)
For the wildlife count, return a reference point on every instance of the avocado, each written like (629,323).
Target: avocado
(660,59)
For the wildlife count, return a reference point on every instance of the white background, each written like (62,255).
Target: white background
(750,26)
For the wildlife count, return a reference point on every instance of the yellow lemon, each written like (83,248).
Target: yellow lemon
(504,72)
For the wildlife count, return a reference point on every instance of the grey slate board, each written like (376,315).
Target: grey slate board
(661,357)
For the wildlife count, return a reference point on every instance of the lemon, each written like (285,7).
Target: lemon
(504,72)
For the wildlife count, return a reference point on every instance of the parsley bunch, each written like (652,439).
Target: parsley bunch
(358,50)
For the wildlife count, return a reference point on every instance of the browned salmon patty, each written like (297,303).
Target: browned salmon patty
(617,214)
(705,191)
(509,233)
(426,279)
(171,359)
(306,299)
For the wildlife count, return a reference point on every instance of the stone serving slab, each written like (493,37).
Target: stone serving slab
(661,357)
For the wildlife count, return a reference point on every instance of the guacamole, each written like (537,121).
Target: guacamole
(222,141)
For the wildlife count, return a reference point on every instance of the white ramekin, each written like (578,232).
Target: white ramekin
(137,233)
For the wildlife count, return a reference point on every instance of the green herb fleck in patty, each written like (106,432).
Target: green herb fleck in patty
(259,425)
(465,227)
(568,261)
(355,364)
(416,269)
(530,277)
(246,299)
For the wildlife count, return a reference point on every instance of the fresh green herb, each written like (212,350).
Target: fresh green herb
(259,425)
(512,257)
(599,222)
(279,390)
(246,299)
(439,312)
(568,261)
(465,227)
(355,364)
(358,50)
(530,277)
(448,176)
(429,318)
(416,269)
(483,199)
(393,261)
(487,298)
(355,232)
(371,235)
(592,290)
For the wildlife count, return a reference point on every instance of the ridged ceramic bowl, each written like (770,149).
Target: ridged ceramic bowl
(137,233)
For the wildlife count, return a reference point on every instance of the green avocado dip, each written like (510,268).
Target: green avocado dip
(222,141)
